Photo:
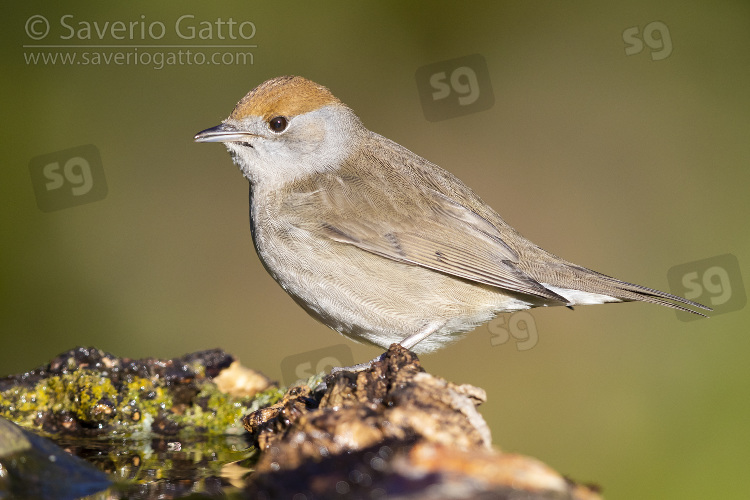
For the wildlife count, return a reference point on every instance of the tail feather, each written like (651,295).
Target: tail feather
(584,286)
(645,294)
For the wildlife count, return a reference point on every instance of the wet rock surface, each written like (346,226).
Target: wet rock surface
(33,467)
(390,431)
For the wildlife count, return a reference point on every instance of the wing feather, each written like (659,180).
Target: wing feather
(464,244)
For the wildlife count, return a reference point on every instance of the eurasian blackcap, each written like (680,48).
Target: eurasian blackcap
(378,243)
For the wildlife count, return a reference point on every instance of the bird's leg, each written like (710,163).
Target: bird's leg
(407,343)
(418,337)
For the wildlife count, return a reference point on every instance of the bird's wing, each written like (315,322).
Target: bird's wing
(429,230)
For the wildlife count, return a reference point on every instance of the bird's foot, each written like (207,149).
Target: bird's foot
(358,367)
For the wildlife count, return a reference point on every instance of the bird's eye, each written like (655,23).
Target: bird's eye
(278,124)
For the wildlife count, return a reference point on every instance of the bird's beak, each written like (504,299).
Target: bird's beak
(223,133)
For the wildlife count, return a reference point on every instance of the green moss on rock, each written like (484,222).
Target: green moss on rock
(89,392)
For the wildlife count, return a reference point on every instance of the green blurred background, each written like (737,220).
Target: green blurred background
(621,163)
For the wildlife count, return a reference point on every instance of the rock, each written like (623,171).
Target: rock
(34,467)
(87,392)
(390,431)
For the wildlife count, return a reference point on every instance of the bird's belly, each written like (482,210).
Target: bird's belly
(375,299)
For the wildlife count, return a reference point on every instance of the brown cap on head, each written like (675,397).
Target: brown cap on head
(283,96)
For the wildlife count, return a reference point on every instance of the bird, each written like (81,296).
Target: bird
(380,244)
